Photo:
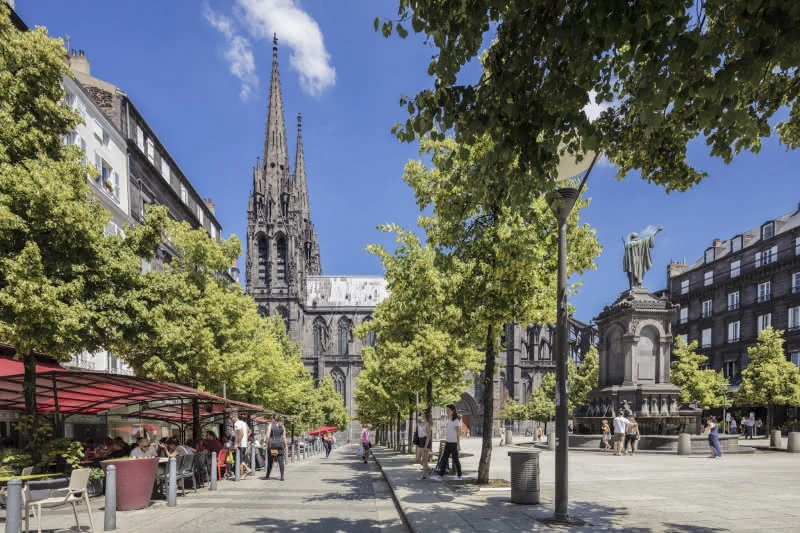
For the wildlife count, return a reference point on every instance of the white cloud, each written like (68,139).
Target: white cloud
(300,32)
(648,230)
(239,53)
(593,109)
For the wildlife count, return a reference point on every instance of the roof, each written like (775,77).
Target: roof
(783,224)
(85,392)
(345,291)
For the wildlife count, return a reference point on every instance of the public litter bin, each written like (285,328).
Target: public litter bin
(524,476)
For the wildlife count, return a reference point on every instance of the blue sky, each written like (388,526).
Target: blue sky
(200,74)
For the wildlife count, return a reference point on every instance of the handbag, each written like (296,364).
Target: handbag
(415,439)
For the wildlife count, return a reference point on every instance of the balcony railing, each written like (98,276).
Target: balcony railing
(734,340)
(85,365)
(763,298)
(706,314)
(706,345)
(733,307)
(795,288)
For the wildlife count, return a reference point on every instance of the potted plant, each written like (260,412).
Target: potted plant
(135,479)
(96,477)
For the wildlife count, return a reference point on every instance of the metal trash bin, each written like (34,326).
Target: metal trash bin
(524,476)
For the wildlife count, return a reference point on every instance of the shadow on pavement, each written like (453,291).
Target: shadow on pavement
(322,525)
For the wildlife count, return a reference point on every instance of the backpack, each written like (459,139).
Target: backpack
(415,439)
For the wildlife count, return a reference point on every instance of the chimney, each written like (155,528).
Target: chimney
(78,62)
(716,243)
(210,204)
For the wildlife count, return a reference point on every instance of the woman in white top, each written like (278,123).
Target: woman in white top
(452,445)
(424,428)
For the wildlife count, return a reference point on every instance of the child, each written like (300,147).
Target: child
(606,435)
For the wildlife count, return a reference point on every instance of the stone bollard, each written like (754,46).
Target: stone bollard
(172,483)
(794,442)
(213,484)
(14,506)
(509,437)
(775,439)
(684,444)
(551,441)
(237,464)
(253,458)
(110,515)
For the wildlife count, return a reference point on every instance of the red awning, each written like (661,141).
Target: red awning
(10,367)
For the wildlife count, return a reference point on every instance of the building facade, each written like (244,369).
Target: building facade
(737,288)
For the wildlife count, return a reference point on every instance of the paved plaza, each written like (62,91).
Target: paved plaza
(643,493)
(337,494)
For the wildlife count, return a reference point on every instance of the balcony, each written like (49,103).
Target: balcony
(705,345)
(706,314)
(795,289)
(763,298)
(734,340)
(733,307)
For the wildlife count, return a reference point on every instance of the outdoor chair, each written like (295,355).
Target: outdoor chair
(185,470)
(27,471)
(76,491)
(222,463)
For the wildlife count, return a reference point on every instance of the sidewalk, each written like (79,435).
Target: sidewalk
(748,492)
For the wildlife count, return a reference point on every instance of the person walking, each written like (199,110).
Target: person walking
(713,437)
(749,426)
(327,443)
(452,444)
(606,438)
(632,435)
(424,434)
(620,429)
(365,441)
(732,429)
(276,440)
(241,434)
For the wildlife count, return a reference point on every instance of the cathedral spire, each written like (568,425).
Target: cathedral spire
(300,172)
(276,157)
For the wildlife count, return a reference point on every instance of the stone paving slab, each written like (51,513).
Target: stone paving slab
(641,493)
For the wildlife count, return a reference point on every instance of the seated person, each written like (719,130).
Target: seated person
(212,443)
(116,451)
(143,449)
(173,449)
(123,445)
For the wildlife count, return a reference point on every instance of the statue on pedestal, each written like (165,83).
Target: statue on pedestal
(637,260)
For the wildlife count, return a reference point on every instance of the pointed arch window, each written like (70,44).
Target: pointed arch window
(281,248)
(319,337)
(263,258)
(285,316)
(370,340)
(339,383)
(344,335)
(544,352)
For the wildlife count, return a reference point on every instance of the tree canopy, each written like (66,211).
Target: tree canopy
(663,74)
(706,387)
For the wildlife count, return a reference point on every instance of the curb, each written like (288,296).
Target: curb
(397,504)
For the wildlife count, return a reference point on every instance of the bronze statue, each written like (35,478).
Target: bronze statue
(637,260)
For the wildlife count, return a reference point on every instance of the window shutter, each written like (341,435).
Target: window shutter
(139,138)
(116,185)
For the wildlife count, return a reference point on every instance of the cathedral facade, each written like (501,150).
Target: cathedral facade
(284,275)
(283,268)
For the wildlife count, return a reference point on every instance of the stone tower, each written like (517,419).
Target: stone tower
(282,247)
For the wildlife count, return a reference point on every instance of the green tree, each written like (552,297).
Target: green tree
(64,286)
(505,260)
(582,379)
(513,410)
(542,403)
(667,72)
(769,378)
(331,405)
(708,388)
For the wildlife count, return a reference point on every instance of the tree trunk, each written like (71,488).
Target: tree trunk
(770,420)
(398,440)
(196,421)
(488,408)
(29,391)
(409,432)
(429,394)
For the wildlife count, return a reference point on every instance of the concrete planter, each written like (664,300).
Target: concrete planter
(794,442)
(135,479)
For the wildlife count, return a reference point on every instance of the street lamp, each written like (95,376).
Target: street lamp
(561,204)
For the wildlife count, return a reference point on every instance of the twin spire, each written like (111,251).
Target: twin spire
(276,154)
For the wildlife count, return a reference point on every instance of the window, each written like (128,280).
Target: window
(82,142)
(796,282)
(151,152)
(708,278)
(184,194)
(140,138)
(764,321)
(736,244)
(705,338)
(794,357)
(165,169)
(797,246)
(764,290)
(116,186)
(685,338)
(733,301)
(735,268)
(708,308)
(69,99)
(684,286)
(794,318)
(709,257)
(684,315)
(337,376)
(263,257)
(70,138)
(281,246)
(544,352)
(200,215)
(212,229)
(767,231)
(730,369)
(97,129)
(344,336)
(768,256)
(319,336)
(734,331)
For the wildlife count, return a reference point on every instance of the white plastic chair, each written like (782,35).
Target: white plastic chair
(27,471)
(77,491)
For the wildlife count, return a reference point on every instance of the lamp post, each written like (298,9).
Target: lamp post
(561,204)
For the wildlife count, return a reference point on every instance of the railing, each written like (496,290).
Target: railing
(733,307)
(763,298)
(795,288)
(76,363)
(706,314)
(734,340)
